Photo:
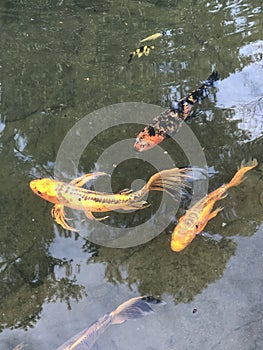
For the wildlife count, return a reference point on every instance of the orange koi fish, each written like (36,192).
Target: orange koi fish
(73,196)
(169,121)
(131,309)
(196,218)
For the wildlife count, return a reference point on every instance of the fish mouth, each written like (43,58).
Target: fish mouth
(177,246)
(32,185)
(138,145)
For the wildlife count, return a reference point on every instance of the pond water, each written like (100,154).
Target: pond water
(62,60)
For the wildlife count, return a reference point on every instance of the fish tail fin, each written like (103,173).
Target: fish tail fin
(132,54)
(185,104)
(214,76)
(202,91)
(168,180)
(134,308)
(238,178)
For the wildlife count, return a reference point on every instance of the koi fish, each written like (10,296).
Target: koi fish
(73,196)
(131,309)
(142,50)
(152,37)
(169,121)
(196,218)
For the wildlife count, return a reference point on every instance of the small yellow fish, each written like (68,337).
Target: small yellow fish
(73,196)
(196,218)
(134,308)
(152,37)
(142,50)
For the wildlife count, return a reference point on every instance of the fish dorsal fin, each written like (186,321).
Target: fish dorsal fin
(126,191)
(82,180)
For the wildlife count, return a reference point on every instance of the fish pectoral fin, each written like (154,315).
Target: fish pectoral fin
(132,309)
(215,212)
(92,217)
(126,191)
(80,181)
(58,214)
(137,205)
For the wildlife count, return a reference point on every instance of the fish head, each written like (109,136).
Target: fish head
(147,139)
(177,245)
(183,235)
(45,188)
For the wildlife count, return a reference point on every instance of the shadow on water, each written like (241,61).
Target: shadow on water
(64,60)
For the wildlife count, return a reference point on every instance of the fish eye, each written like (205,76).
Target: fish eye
(196,226)
(40,193)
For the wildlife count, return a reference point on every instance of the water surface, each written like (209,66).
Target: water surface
(61,60)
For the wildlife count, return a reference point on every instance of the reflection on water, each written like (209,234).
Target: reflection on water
(32,286)
(48,52)
(156,270)
(246,103)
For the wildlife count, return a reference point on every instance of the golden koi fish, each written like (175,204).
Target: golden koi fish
(131,309)
(142,50)
(196,218)
(73,196)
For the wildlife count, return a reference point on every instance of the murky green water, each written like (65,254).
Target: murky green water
(54,283)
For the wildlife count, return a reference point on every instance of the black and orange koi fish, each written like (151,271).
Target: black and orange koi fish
(169,121)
